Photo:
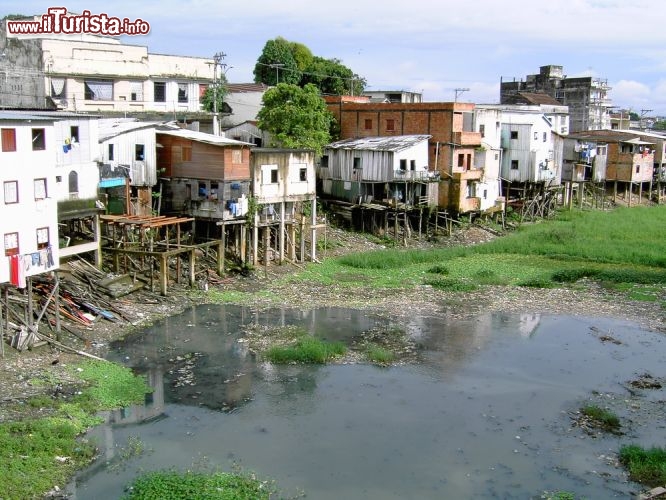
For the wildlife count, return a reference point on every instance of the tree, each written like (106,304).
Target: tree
(332,77)
(277,62)
(660,125)
(296,117)
(302,55)
(207,99)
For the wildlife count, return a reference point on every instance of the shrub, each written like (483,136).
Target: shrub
(646,466)
(306,350)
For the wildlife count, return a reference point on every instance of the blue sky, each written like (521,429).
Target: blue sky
(429,46)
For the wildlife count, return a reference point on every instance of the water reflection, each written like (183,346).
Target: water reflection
(484,413)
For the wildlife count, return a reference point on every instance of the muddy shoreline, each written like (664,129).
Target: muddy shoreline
(25,374)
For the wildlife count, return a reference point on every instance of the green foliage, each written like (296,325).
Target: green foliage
(438,269)
(306,350)
(296,117)
(197,486)
(646,466)
(277,61)
(660,125)
(380,355)
(332,77)
(605,419)
(558,495)
(208,99)
(451,285)
(302,55)
(111,385)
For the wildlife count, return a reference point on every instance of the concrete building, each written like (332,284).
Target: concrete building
(403,96)
(244,101)
(28,212)
(586,97)
(99,74)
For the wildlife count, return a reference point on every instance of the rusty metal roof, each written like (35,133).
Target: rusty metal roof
(387,143)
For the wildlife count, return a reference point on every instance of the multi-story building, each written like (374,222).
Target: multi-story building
(451,147)
(586,97)
(95,73)
(28,211)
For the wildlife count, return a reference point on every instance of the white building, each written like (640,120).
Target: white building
(28,212)
(96,73)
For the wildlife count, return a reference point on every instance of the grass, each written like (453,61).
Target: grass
(37,454)
(307,350)
(197,486)
(610,247)
(645,466)
(605,419)
(380,355)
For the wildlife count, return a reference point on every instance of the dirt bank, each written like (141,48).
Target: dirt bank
(32,372)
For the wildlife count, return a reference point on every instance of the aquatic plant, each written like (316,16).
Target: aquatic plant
(306,350)
(645,466)
(605,419)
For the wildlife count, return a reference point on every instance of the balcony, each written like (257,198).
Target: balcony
(473,174)
(467,138)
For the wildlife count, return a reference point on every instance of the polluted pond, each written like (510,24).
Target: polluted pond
(495,405)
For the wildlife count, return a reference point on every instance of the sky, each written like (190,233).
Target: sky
(428,46)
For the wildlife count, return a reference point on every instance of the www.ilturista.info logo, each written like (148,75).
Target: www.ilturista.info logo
(58,21)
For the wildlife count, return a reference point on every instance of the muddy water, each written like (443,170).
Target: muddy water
(486,412)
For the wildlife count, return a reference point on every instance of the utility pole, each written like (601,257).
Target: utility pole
(277,67)
(458,92)
(217,58)
(643,113)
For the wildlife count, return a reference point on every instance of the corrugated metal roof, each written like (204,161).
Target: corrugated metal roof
(216,140)
(539,98)
(18,116)
(111,128)
(608,136)
(389,143)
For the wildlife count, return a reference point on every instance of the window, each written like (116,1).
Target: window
(136,91)
(8,140)
(40,189)
(182,92)
(111,155)
(203,190)
(74,133)
(482,130)
(514,164)
(303,174)
(138,152)
(471,190)
(58,88)
(73,182)
(11,192)
(357,162)
(159,90)
(11,244)
(368,124)
(461,160)
(324,161)
(42,237)
(269,174)
(545,136)
(98,90)
(638,169)
(237,156)
(38,139)
(412,165)
(485,194)
(403,165)
(186,153)
(390,125)
(514,134)
(536,136)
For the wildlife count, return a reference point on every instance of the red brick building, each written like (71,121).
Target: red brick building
(450,150)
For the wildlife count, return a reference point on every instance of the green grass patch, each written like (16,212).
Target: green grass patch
(197,486)
(645,466)
(111,385)
(307,350)
(450,284)
(604,419)
(37,454)
(380,355)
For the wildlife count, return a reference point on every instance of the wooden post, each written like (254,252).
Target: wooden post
(615,191)
(302,238)
(221,251)
(57,307)
(640,193)
(281,238)
(192,267)
(30,319)
(164,276)
(313,232)
(255,242)
(178,256)
(267,245)
(292,242)
(98,240)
